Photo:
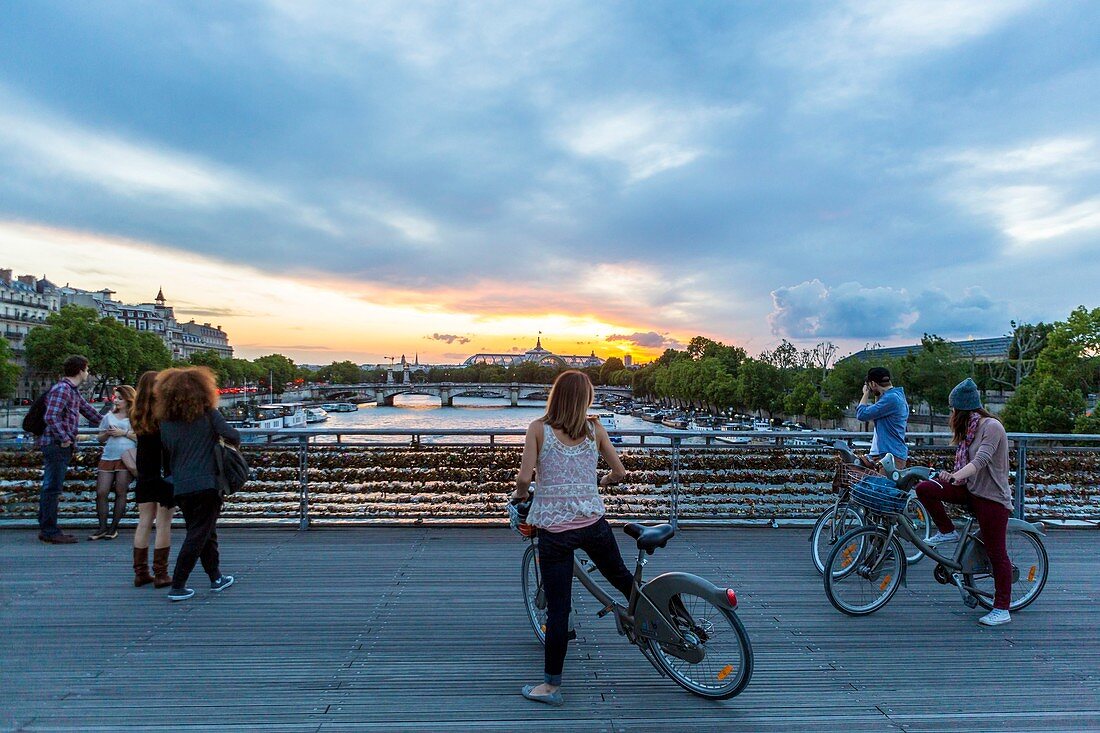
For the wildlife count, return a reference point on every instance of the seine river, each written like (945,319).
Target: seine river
(421,411)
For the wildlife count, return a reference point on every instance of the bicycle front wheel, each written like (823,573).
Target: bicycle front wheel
(864,571)
(918,516)
(836,522)
(534,597)
(726,665)
(1028,556)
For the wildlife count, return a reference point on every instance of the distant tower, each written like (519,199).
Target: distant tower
(160,297)
(416,359)
(628,361)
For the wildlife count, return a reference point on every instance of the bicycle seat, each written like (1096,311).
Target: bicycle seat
(650,538)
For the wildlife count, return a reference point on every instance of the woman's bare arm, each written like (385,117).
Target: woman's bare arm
(530,459)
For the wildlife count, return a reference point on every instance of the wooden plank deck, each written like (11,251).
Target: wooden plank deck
(391,629)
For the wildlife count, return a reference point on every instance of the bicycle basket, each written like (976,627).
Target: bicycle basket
(847,475)
(879,494)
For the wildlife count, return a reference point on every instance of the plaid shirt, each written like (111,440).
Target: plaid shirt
(64,406)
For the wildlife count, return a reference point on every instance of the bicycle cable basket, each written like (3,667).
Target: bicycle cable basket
(879,494)
(848,475)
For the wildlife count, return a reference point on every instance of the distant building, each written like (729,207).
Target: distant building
(989,349)
(538,355)
(628,361)
(25,302)
(182,339)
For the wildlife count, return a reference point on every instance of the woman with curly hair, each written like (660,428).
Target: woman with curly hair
(116,463)
(154,492)
(190,425)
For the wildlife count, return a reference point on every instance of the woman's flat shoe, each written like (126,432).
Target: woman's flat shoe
(554,698)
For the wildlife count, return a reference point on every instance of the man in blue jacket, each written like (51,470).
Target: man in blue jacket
(890,412)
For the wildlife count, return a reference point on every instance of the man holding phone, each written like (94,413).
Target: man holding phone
(886,405)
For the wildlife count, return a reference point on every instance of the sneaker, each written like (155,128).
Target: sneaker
(180,594)
(110,534)
(996,617)
(217,586)
(97,535)
(57,539)
(939,538)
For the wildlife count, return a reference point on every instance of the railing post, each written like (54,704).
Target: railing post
(1021,476)
(674,482)
(303,481)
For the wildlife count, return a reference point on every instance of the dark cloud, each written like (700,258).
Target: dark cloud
(449,338)
(852,311)
(648,340)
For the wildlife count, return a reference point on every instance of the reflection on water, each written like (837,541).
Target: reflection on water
(424,412)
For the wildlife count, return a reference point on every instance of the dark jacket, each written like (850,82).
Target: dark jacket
(190,448)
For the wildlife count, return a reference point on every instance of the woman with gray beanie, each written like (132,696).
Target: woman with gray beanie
(979,480)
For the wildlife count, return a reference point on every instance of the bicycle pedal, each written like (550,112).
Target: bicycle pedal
(970,601)
(604,611)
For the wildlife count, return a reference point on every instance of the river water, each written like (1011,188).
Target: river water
(424,412)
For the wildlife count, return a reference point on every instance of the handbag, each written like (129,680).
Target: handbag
(231,468)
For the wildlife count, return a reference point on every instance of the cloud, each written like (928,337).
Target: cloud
(854,47)
(646,138)
(647,340)
(852,311)
(449,338)
(1033,192)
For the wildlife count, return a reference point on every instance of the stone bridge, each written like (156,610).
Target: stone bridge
(383,393)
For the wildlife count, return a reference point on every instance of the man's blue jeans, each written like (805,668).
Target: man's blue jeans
(55,464)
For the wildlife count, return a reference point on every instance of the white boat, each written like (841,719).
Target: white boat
(281,415)
(316,414)
(340,407)
(610,424)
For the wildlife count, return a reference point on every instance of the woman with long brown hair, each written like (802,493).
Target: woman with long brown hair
(190,425)
(117,436)
(564,447)
(153,492)
(979,481)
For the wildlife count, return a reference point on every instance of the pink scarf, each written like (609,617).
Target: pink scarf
(962,453)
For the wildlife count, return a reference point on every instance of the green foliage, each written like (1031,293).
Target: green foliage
(1043,405)
(277,369)
(9,371)
(1087,424)
(116,353)
(340,372)
(931,372)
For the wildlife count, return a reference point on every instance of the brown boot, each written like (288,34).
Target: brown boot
(141,567)
(161,578)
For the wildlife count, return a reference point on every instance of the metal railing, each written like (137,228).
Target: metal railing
(671,440)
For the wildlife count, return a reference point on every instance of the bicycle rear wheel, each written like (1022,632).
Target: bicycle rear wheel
(534,598)
(864,571)
(726,666)
(836,522)
(1028,556)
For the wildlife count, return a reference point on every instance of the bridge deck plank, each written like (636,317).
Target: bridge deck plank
(423,628)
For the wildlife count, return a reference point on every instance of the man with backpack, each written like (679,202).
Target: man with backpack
(54,424)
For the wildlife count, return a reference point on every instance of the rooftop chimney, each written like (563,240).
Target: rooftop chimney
(5,275)
(27,280)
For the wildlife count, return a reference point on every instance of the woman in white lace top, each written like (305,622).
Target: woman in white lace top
(562,449)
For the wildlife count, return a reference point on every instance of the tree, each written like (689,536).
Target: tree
(1072,352)
(9,371)
(116,353)
(760,387)
(276,371)
(930,373)
(609,367)
(340,372)
(1043,405)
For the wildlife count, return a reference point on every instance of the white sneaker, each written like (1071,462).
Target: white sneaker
(996,617)
(939,538)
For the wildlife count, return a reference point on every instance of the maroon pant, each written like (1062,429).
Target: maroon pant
(992,518)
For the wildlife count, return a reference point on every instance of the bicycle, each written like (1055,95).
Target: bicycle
(852,468)
(685,626)
(864,570)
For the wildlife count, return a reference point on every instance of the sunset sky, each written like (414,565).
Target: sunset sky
(361,180)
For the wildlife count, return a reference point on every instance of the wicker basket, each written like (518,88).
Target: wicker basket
(879,494)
